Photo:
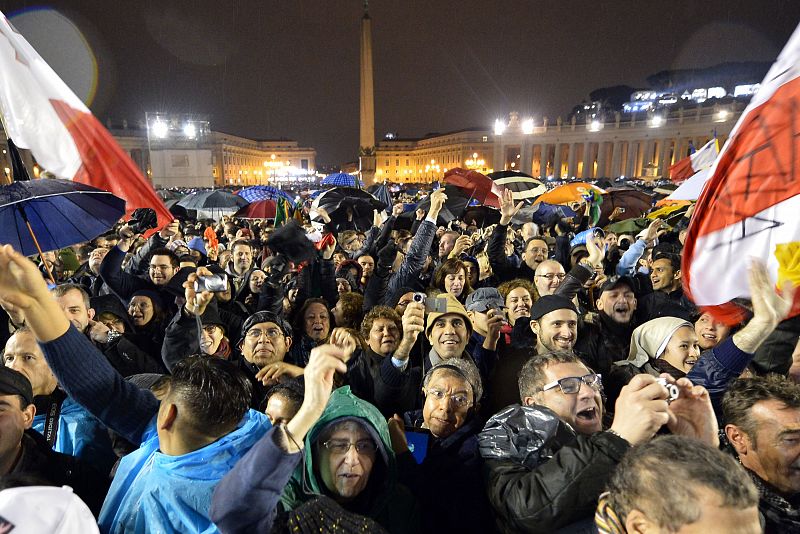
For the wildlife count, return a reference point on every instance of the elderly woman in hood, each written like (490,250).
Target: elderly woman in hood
(663,345)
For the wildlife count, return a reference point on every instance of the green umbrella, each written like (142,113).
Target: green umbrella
(628,226)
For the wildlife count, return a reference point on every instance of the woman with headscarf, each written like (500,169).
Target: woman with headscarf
(147,312)
(662,345)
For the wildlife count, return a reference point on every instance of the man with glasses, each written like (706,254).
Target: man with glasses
(549,275)
(451,390)
(549,459)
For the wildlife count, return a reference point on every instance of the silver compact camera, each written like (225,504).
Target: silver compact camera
(215,283)
(672,389)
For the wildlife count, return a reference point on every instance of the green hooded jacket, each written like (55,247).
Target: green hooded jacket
(395,508)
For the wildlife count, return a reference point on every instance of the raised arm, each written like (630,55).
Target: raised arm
(80,368)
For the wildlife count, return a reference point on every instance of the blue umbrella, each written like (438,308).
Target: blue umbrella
(382,193)
(264,192)
(342,179)
(43,215)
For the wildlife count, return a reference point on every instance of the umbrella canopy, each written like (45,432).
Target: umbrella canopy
(635,203)
(263,192)
(454,207)
(382,193)
(630,226)
(522,186)
(542,213)
(475,185)
(481,216)
(342,179)
(261,209)
(212,200)
(348,207)
(60,213)
(179,211)
(569,193)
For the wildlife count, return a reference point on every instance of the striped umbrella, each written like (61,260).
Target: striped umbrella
(263,192)
(522,186)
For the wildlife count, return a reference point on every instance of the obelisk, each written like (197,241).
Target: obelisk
(366,145)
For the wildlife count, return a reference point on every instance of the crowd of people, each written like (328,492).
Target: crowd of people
(527,377)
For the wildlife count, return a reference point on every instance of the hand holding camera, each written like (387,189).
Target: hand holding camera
(199,289)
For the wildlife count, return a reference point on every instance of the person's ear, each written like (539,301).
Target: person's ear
(170,415)
(738,439)
(528,401)
(288,343)
(638,523)
(91,313)
(598,304)
(677,274)
(28,413)
(535,327)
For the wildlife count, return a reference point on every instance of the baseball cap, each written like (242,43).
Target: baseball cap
(614,281)
(15,383)
(484,299)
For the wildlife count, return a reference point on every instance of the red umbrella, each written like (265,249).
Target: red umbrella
(476,185)
(262,209)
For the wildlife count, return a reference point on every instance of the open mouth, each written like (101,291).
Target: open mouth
(563,342)
(710,337)
(587,415)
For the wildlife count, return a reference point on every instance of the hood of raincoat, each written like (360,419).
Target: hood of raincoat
(344,405)
(527,435)
(154,492)
(649,340)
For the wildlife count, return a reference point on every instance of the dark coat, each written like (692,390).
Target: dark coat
(449,483)
(375,379)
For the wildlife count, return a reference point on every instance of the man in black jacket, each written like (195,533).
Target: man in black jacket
(25,452)
(608,340)
(549,459)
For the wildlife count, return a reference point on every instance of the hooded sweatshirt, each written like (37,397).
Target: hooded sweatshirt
(387,502)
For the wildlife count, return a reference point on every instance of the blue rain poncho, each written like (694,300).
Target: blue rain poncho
(154,493)
(80,434)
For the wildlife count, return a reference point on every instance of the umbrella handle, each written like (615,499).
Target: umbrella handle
(41,255)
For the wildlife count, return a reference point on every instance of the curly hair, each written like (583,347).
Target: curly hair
(352,304)
(507,287)
(380,312)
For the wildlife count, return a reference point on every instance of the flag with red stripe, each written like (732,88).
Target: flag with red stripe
(750,206)
(41,113)
(695,162)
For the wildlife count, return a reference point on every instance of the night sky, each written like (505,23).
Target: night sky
(289,68)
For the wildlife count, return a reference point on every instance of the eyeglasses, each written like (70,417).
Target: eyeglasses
(551,276)
(459,399)
(255,333)
(571,385)
(342,447)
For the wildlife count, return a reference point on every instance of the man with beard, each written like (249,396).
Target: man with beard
(549,459)
(609,339)
(554,320)
(241,262)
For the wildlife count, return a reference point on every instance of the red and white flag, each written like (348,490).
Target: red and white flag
(750,206)
(693,163)
(41,113)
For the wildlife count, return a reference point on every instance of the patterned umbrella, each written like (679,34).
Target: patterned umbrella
(569,193)
(523,186)
(342,179)
(475,185)
(263,192)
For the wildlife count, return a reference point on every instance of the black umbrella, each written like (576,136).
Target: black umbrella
(211,200)
(454,207)
(348,207)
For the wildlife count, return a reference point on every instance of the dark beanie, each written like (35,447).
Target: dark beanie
(550,303)
(15,383)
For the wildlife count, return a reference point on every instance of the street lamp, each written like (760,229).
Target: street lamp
(527,126)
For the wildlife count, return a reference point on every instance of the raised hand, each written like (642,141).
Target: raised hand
(507,207)
(691,414)
(196,303)
(769,306)
(272,373)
